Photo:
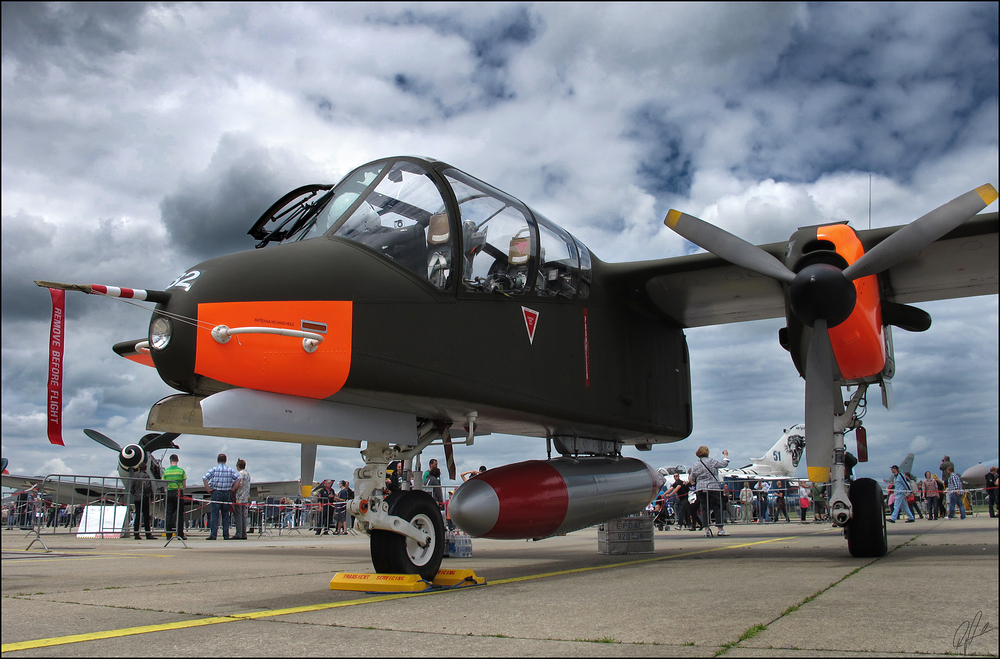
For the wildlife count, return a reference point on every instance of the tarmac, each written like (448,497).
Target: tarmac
(771,590)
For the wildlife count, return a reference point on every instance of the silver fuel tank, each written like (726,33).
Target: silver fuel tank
(539,498)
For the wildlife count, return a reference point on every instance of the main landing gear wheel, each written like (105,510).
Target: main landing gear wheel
(866,534)
(393,553)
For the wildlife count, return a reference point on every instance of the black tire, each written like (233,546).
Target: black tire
(393,553)
(866,532)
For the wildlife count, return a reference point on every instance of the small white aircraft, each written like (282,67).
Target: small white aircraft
(779,462)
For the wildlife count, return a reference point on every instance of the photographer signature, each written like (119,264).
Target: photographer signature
(969,630)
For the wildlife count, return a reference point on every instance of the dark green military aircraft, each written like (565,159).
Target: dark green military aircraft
(412,304)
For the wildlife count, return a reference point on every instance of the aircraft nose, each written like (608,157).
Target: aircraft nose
(475,507)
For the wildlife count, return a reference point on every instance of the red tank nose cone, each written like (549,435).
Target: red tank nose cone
(523,500)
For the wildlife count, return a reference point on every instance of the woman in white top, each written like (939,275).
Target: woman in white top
(708,486)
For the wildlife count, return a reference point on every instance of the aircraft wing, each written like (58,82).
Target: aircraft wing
(64,492)
(258,490)
(962,263)
(702,289)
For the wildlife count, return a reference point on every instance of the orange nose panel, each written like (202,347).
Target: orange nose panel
(269,362)
(858,342)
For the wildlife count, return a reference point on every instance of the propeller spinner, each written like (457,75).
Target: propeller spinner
(823,294)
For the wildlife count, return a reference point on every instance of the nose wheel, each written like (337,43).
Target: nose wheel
(866,532)
(393,553)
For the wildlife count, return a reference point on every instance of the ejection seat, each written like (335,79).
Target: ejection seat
(439,250)
(512,276)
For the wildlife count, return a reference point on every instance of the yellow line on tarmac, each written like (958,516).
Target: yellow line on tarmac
(114,633)
(84,552)
(18,561)
(200,622)
(184,624)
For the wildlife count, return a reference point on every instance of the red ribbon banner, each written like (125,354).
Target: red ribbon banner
(57,332)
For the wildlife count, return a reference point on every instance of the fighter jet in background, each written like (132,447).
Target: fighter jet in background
(778,463)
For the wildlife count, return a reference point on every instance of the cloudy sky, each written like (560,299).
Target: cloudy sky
(140,139)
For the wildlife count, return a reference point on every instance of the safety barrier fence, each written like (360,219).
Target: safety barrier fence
(766,508)
(103,507)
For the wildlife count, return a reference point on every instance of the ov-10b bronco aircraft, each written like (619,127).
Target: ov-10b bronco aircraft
(412,303)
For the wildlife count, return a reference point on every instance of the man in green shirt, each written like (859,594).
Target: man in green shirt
(176,482)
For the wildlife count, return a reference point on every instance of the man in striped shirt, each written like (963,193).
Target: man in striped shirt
(221,481)
(955,493)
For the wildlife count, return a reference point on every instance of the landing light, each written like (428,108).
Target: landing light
(160,331)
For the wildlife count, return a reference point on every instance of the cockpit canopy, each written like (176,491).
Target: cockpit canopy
(444,226)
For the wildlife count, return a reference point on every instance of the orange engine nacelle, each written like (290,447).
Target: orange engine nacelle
(858,342)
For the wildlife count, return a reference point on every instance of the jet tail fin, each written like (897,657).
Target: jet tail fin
(783,458)
(906,466)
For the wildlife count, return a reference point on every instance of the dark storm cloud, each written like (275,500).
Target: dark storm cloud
(882,94)
(492,42)
(665,166)
(69,34)
(115,251)
(212,211)
(26,240)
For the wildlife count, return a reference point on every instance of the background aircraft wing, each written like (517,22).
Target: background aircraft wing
(65,492)
(262,490)
(702,289)
(19,482)
(258,491)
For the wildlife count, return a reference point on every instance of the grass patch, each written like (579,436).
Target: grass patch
(750,633)
(746,635)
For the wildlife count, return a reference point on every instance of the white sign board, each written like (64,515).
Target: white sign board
(102,521)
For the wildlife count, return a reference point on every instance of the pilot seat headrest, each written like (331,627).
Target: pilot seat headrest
(520,248)
(438,230)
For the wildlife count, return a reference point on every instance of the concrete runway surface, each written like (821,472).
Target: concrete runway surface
(767,590)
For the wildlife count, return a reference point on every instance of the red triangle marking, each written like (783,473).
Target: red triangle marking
(530,322)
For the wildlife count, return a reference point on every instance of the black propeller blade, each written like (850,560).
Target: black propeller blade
(101,438)
(156,441)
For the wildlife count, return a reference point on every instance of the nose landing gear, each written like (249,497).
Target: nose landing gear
(405,528)
(398,554)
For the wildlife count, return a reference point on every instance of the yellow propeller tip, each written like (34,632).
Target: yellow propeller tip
(987,192)
(672,218)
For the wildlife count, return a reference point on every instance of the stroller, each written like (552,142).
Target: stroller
(663,515)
